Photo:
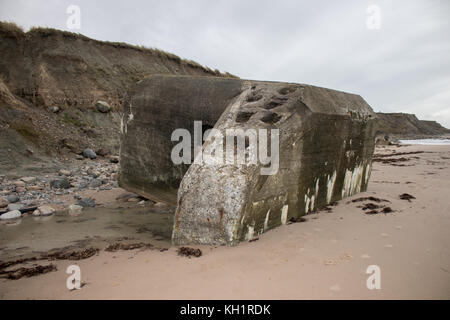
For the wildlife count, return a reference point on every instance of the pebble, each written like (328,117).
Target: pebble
(61,183)
(44,211)
(114,159)
(89,153)
(64,172)
(15,206)
(75,209)
(11,215)
(86,202)
(19,183)
(12,198)
(28,180)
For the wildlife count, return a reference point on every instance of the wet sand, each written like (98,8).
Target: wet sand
(325,257)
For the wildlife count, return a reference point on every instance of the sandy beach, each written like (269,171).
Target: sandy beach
(324,257)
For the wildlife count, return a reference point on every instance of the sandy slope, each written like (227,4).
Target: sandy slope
(324,257)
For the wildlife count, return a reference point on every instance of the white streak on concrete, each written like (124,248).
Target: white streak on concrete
(266,221)
(330,186)
(284,214)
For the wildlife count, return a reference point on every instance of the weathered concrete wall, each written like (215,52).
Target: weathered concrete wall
(326,141)
(153,109)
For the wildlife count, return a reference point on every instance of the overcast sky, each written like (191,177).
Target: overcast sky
(404,66)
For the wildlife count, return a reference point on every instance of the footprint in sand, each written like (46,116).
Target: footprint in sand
(346,256)
(365,256)
(389,246)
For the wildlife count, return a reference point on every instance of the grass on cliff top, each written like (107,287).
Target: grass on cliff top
(12,29)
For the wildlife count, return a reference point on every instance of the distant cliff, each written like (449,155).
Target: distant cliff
(50,81)
(405,124)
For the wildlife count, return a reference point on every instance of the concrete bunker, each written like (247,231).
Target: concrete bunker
(325,147)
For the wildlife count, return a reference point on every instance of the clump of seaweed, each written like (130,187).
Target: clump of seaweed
(27,272)
(127,246)
(71,255)
(406,196)
(189,252)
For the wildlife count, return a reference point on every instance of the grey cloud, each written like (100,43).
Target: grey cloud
(404,66)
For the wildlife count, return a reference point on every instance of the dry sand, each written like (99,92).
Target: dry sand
(325,257)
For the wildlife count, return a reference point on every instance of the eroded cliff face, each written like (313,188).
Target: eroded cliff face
(407,125)
(45,68)
(322,153)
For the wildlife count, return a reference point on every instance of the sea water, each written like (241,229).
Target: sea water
(428,142)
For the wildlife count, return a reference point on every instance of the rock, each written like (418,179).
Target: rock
(321,145)
(86,202)
(20,190)
(3,202)
(79,157)
(124,197)
(89,153)
(12,198)
(160,205)
(35,188)
(64,172)
(54,109)
(28,180)
(75,209)
(103,106)
(61,183)
(19,183)
(102,152)
(15,206)
(114,159)
(15,214)
(95,183)
(44,211)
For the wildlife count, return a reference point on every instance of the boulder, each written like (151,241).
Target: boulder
(54,109)
(12,198)
(44,211)
(15,214)
(75,209)
(86,202)
(15,206)
(64,172)
(28,180)
(19,183)
(303,147)
(114,159)
(89,153)
(103,106)
(61,183)
(3,202)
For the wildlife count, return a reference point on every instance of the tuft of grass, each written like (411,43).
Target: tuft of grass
(27,131)
(69,119)
(11,29)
